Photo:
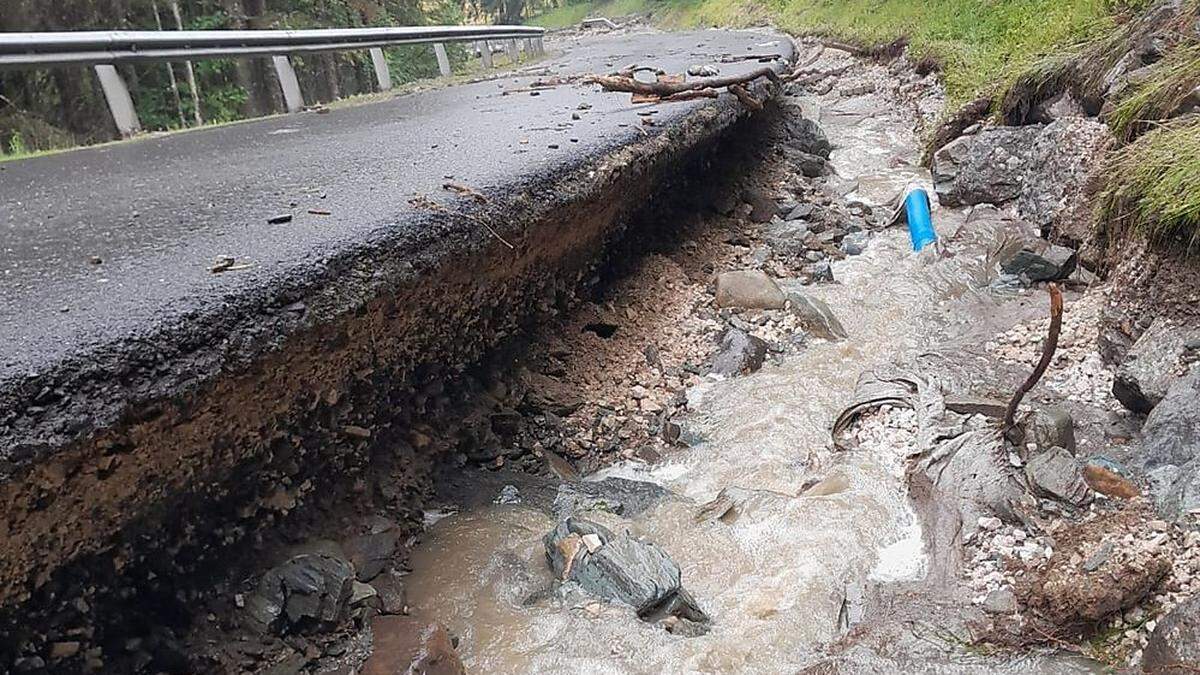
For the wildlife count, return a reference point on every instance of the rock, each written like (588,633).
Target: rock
(1052,428)
(393,596)
(1057,474)
(986,168)
(762,207)
(1053,191)
(28,664)
(1059,107)
(1155,362)
(1001,601)
(622,569)
(1107,482)
(308,592)
(815,316)
(371,553)
(1174,645)
(787,237)
(801,211)
(63,650)
(361,593)
(1170,454)
(748,289)
(975,405)
(404,645)
(806,163)
(1041,261)
(819,272)
(739,354)
(703,71)
(548,394)
(805,135)
(1097,559)
(855,243)
(621,496)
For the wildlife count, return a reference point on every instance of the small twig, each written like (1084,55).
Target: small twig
(729,58)
(465,191)
(1048,348)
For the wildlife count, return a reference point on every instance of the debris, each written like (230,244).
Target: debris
(703,71)
(280,219)
(740,354)
(320,212)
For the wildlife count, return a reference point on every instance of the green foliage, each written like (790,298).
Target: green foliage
(1153,187)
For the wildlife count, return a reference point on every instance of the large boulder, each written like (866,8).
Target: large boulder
(1058,475)
(1062,159)
(1170,455)
(985,168)
(1174,646)
(619,496)
(618,568)
(748,289)
(1159,358)
(1043,168)
(1040,261)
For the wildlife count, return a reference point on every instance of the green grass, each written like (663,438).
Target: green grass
(980,44)
(1153,187)
(1170,82)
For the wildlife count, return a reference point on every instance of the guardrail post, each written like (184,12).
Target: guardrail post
(485,52)
(120,103)
(528,46)
(288,82)
(443,61)
(382,74)
(538,47)
(511,47)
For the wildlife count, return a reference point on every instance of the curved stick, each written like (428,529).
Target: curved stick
(1048,347)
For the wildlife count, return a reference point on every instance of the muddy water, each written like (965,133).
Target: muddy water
(773,573)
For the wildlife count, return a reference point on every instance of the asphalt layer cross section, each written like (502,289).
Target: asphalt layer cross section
(105,252)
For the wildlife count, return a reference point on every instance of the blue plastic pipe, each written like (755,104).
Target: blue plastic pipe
(920,224)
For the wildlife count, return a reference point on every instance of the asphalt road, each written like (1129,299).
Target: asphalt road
(159,211)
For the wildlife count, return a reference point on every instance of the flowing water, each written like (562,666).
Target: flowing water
(773,572)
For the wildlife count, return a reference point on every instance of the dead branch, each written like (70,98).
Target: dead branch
(729,58)
(465,191)
(689,95)
(744,96)
(807,77)
(1048,348)
(670,88)
(846,47)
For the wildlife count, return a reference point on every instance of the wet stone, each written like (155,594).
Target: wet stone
(855,243)
(815,316)
(748,289)
(819,272)
(308,592)
(1051,428)
(371,553)
(1175,640)
(406,645)
(739,354)
(762,207)
(613,495)
(621,569)
(1041,263)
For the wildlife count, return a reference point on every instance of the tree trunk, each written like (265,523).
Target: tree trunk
(191,72)
(170,71)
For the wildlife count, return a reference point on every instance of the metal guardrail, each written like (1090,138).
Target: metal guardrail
(106,49)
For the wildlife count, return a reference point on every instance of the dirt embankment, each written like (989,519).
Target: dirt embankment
(344,416)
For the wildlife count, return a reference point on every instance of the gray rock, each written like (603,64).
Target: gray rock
(1053,428)
(1000,601)
(976,405)
(787,237)
(1057,474)
(1041,261)
(986,168)
(621,569)
(748,289)
(1175,642)
(819,272)
(1096,560)
(815,316)
(621,496)
(547,394)
(806,136)
(1170,453)
(308,592)
(855,243)
(801,211)
(739,354)
(1153,364)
